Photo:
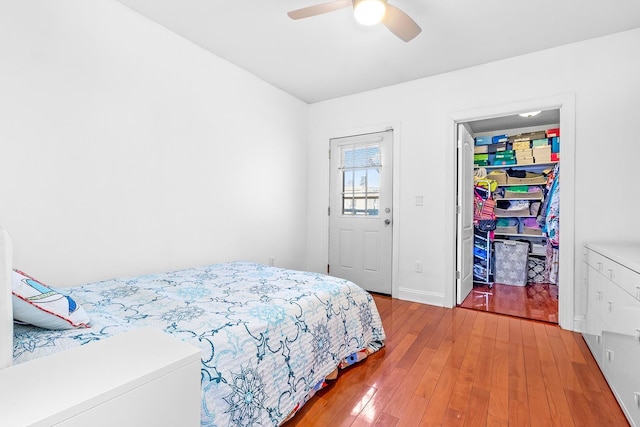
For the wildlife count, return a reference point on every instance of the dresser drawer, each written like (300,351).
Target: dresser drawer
(626,278)
(622,276)
(596,346)
(595,260)
(621,357)
(619,312)
(595,301)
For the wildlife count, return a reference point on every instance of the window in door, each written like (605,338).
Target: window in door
(360,165)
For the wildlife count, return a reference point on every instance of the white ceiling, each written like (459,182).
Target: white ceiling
(329,56)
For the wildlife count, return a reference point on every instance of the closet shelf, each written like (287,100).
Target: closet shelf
(518,185)
(540,236)
(538,198)
(514,166)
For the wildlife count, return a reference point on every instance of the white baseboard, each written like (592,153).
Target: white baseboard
(424,297)
(579,324)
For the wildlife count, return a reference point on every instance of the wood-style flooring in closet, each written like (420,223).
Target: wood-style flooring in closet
(454,367)
(536,301)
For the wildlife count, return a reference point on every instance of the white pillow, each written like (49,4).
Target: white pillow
(40,305)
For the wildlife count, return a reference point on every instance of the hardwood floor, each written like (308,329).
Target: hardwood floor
(535,301)
(455,367)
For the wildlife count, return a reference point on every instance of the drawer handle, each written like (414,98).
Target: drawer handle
(609,355)
(610,274)
(638,334)
(610,306)
(599,338)
(637,292)
(599,266)
(599,295)
(636,395)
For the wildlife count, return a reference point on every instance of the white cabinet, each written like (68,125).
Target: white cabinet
(612,273)
(144,377)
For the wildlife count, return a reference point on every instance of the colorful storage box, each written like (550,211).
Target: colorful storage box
(483,140)
(499,162)
(555,144)
(555,157)
(480,157)
(519,189)
(511,262)
(506,154)
(496,148)
(540,142)
(553,132)
(479,149)
(529,195)
(499,138)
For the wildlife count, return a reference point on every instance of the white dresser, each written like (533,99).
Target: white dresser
(143,377)
(612,271)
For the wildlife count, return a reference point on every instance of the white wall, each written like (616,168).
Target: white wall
(603,75)
(126,149)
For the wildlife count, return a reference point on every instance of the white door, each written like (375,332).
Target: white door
(464,258)
(360,210)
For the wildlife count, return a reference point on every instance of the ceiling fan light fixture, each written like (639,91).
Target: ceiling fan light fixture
(369,12)
(529,114)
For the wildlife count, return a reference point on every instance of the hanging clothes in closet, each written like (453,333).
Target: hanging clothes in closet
(549,221)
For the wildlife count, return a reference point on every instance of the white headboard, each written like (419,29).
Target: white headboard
(6,309)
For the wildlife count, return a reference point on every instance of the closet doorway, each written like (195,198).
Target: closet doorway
(523,274)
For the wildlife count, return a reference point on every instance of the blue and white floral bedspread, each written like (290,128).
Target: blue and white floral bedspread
(269,336)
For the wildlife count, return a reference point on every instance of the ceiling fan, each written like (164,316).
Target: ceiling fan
(398,22)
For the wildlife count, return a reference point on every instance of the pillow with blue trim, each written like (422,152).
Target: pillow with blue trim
(40,305)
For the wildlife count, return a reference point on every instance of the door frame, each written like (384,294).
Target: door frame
(395,223)
(464,221)
(567,319)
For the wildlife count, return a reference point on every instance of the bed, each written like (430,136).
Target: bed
(269,337)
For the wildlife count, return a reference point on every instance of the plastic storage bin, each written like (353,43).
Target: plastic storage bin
(537,272)
(511,262)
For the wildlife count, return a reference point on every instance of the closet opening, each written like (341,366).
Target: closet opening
(509,170)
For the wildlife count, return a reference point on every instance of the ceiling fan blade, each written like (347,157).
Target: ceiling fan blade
(319,9)
(400,24)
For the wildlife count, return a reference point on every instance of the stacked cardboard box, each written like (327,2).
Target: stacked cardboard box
(528,136)
(480,149)
(542,154)
(524,156)
(521,145)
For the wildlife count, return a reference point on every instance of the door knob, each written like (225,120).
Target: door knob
(387,221)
